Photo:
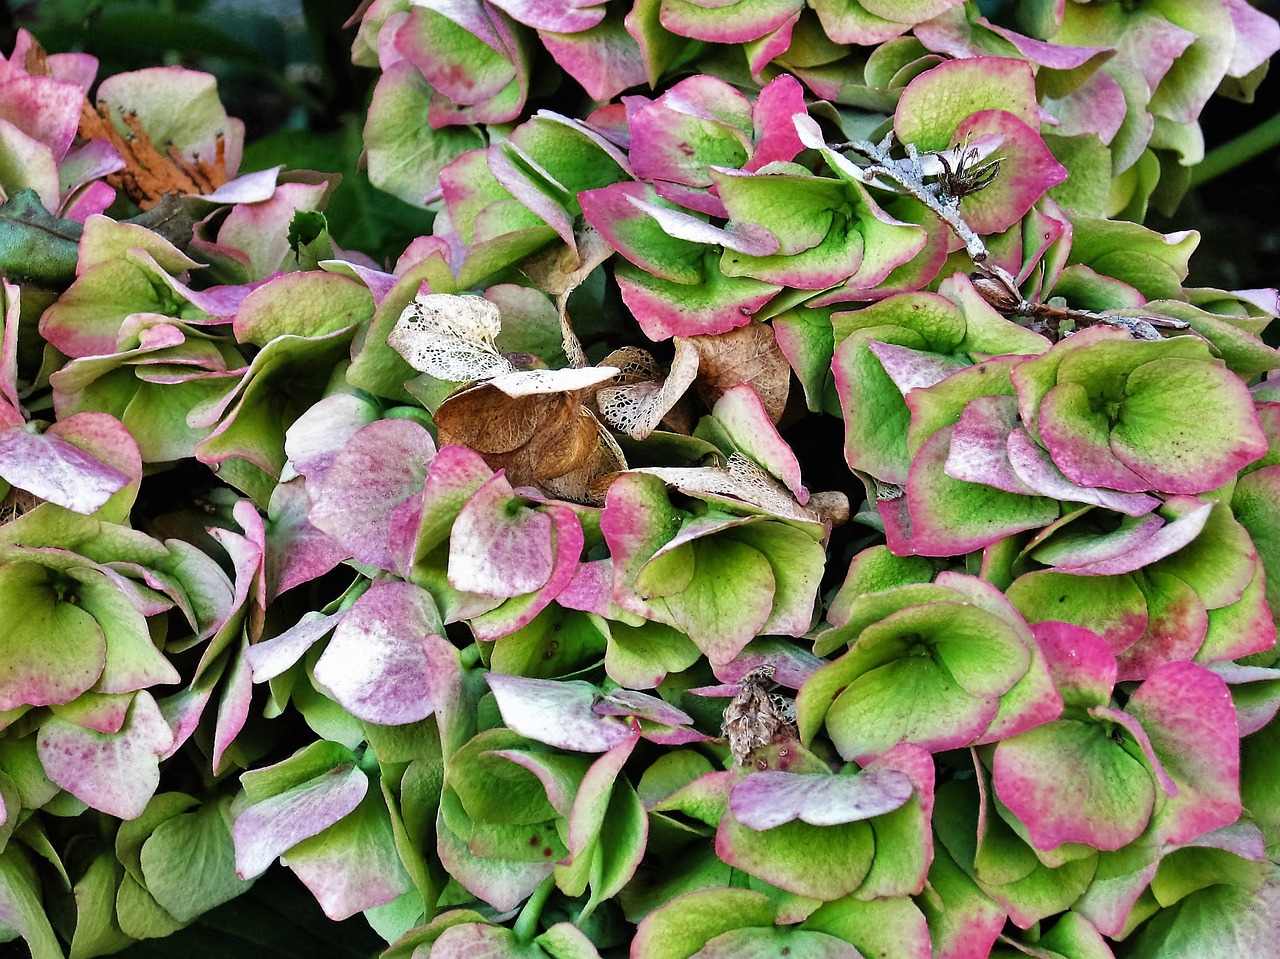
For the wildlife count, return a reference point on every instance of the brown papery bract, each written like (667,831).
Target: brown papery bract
(749,354)
(534,438)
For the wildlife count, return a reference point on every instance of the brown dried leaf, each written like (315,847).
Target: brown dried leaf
(642,397)
(755,717)
(560,270)
(532,423)
(748,354)
(149,174)
(590,482)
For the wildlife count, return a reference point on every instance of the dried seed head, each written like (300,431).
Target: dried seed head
(755,717)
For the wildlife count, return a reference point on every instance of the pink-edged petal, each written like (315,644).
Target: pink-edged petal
(1080,661)
(717,304)
(567,541)
(1134,729)
(699,123)
(767,799)
(708,21)
(116,774)
(552,15)
(382,464)
(388,662)
(297,552)
(978,445)
(1187,712)
(43,108)
(1159,443)
(270,828)
(49,467)
(934,104)
(1176,628)
(950,517)
(741,412)
(1033,466)
(273,656)
(233,706)
(1067,781)
(1095,107)
(1027,170)
(1078,439)
(498,546)
(557,713)
(605,59)
(1188,518)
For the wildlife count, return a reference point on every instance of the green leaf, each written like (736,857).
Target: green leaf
(36,246)
(24,911)
(189,862)
(684,925)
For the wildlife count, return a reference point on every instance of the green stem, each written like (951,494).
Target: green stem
(527,922)
(1222,159)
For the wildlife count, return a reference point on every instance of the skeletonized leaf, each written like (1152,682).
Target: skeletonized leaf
(643,396)
(740,479)
(450,337)
(539,382)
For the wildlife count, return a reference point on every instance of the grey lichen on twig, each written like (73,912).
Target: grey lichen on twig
(955,176)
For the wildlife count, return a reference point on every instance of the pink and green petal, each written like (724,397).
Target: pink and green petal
(353,865)
(114,773)
(950,516)
(1113,607)
(1177,626)
(936,103)
(388,661)
(1152,436)
(1027,170)
(560,714)
(1241,628)
(1135,543)
(717,22)
(978,452)
(277,822)
(498,546)
(519,611)
(716,303)
(820,862)
(1067,781)
(1188,715)
(379,467)
(40,671)
(1033,466)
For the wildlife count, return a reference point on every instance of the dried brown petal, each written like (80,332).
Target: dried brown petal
(149,174)
(748,354)
(561,269)
(590,482)
(532,423)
